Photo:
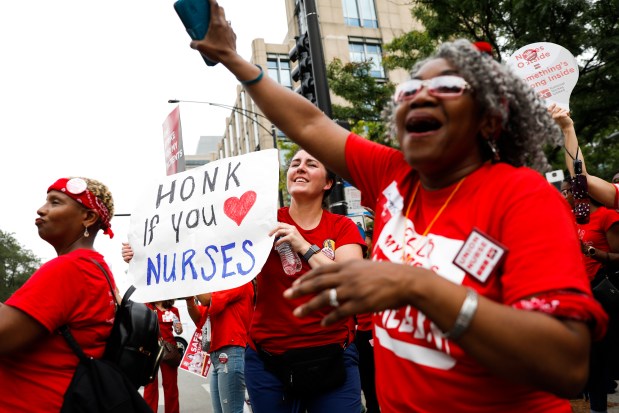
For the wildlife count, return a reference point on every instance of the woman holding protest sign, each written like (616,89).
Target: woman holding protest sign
(467,270)
(36,363)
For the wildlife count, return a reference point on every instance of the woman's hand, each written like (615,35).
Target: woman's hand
(361,286)
(561,116)
(127,252)
(220,39)
(286,232)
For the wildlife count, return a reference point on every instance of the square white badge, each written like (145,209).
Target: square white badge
(479,255)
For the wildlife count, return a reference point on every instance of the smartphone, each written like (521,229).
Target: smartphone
(195,15)
(555,178)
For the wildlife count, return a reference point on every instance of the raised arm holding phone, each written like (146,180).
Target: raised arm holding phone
(446,323)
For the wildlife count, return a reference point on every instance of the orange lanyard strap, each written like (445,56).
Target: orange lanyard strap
(440,211)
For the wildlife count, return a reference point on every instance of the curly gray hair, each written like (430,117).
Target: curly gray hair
(526,124)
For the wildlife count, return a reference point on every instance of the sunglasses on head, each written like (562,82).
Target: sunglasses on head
(439,86)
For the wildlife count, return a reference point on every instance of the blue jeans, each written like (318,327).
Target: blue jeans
(266,392)
(228,380)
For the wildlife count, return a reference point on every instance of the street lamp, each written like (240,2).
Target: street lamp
(243,112)
(246,113)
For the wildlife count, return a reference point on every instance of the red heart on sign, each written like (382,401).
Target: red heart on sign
(236,208)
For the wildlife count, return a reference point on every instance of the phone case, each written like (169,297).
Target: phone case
(195,15)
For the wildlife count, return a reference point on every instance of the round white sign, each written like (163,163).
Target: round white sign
(549,68)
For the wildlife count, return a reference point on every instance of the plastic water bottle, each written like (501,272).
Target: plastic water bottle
(178,327)
(290,260)
(206,335)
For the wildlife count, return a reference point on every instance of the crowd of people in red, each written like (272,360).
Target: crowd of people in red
(476,292)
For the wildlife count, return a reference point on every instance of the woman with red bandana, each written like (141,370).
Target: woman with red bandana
(36,363)
(480,298)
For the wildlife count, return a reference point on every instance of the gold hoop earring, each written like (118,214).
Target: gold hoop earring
(86,233)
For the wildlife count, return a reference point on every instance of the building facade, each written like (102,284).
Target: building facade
(350,30)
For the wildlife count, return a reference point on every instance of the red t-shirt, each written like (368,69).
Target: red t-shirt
(594,234)
(231,312)
(166,322)
(69,289)
(417,369)
(274,327)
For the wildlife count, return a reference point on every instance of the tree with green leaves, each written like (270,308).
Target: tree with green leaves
(365,97)
(589,29)
(16,265)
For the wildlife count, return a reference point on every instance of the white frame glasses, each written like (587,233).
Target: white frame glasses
(444,87)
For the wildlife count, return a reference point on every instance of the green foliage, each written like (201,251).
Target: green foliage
(589,29)
(365,96)
(287,148)
(16,265)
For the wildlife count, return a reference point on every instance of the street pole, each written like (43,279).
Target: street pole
(337,203)
(246,113)
(319,70)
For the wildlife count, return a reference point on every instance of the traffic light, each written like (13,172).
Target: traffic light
(303,72)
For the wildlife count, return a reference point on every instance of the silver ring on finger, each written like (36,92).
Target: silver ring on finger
(333,298)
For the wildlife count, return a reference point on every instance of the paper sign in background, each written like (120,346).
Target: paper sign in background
(550,69)
(205,229)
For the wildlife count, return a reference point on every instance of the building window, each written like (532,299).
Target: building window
(362,50)
(360,13)
(279,69)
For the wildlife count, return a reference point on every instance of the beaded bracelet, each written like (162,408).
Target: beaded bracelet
(465,316)
(253,81)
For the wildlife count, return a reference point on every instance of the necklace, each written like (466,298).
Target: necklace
(438,214)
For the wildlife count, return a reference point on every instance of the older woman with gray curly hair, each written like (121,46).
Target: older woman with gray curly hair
(480,298)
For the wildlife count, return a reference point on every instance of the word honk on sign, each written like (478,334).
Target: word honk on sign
(550,69)
(206,229)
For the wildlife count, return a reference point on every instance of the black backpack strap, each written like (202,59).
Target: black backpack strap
(64,330)
(129,291)
(66,333)
(107,277)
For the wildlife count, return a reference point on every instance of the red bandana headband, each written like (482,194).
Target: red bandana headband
(77,188)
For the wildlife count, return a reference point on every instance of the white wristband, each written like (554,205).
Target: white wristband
(465,316)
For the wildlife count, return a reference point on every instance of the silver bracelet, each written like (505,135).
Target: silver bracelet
(465,316)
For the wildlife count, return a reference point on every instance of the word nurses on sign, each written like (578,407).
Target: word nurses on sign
(550,69)
(205,229)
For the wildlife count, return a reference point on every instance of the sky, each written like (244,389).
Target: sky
(84,87)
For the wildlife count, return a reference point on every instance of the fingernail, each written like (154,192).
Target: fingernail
(288,293)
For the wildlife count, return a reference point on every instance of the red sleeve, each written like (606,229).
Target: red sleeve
(221,299)
(175,311)
(348,232)
(539,231)
(366,175)
(611,217)
(63,291)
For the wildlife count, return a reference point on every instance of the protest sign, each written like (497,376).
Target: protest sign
(173,143)
(205,229)
(550,69)
(195,360)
